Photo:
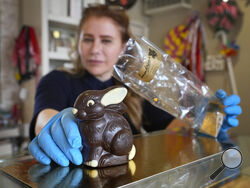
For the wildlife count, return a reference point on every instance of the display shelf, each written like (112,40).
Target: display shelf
(150,9)
(43,19)
(59,64)
(9,132)
(61,56)
(62,23)
(63,20)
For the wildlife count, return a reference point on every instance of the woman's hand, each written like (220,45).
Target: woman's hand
(232,109)
(59,140)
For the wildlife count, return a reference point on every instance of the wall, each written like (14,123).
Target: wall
(163,22)
(28,8)
(138,21)
(9,28)
(10,25)
(135,13)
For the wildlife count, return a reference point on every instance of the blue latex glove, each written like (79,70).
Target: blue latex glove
(232,109)
(59,140)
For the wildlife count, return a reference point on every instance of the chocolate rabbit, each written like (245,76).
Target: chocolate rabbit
(106,135)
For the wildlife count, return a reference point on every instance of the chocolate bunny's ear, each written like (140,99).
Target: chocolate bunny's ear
(114,96)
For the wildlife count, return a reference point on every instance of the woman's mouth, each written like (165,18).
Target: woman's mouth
(95,62)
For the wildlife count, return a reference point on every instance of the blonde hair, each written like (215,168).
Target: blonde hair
(119,16)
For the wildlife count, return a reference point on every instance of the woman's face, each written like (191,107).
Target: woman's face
(100,46)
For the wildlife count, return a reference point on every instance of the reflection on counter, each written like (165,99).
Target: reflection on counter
(164,152)
(37,175)
(110,176)
(161,160)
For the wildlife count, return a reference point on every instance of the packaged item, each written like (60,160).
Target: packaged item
(168,85)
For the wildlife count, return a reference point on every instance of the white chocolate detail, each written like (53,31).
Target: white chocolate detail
(90,103)
(74,111)
(114,96)
(132,153)
(92,163)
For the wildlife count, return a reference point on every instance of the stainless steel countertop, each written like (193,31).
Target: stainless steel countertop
(161,160)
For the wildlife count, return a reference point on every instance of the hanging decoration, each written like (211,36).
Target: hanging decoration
(177,44)
(222,14)
(229,49)
(26,54)
(185,43)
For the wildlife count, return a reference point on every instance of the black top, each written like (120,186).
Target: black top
(58,90)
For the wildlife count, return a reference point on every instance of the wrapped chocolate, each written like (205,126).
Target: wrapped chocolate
(106,135)
(169,86)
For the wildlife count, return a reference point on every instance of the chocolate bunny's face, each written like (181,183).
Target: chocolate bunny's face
(91,104)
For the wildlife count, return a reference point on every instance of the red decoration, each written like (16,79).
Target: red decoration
(222,14)
(26,54)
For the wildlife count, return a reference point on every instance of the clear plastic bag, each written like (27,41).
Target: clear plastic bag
(169,86)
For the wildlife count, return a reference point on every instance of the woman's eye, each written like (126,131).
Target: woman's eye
(87,40)
(106,41)
(90,103)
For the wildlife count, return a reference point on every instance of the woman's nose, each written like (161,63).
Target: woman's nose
(96,47)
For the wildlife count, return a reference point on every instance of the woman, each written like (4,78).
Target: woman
(103,33)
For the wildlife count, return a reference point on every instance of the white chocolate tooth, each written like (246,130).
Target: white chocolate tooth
(74,111)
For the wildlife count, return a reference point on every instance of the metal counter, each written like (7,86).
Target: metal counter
(162,160)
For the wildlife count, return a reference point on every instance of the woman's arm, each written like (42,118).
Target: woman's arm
(43,118)
(52,95)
